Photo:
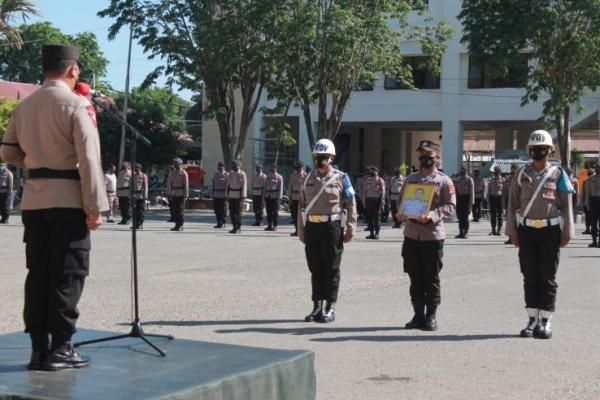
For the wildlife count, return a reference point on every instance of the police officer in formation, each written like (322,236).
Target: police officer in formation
(513,171)
(479,187)
(358,186)
(465,198)
(423,245)
(294,185)
(326,221)
(218,192)
(586,211)
(140,195)
(592,203)
(178,189)
(395,187)
(236,195)
(273,194)
(63,200)
(385,211)
(124,192)
(6,189)
(110,180)
(258,188)
(495,192)
(373,197)
(540,222)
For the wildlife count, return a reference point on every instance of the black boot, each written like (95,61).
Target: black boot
(40,347)
(430,320)
(543,330)
(594,243)
(328,314)
(376,234)
(316,312)
(371,236)
(532,324)
(65,357)
(418,319)
(460,235)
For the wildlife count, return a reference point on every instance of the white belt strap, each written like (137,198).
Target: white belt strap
(537,190)
(316,198)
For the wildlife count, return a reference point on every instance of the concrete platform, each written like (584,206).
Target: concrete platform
(129,369)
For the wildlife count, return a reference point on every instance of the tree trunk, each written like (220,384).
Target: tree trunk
(562,126)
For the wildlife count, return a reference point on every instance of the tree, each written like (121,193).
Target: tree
(23,65)
(10,11)
(562,39)
(218,47)
(327,48)
(7,106)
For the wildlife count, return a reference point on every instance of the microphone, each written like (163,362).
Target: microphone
(85,90)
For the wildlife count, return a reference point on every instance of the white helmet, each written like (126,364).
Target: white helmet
(540,138)
(324,146)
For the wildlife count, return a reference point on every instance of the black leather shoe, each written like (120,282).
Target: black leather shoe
(177,229)
(459,236)
(218,226)
(492,233)
(430,323)
(274,229)
(543,330)
(532,325)
(123,222)
(418,319)
(367,229)
(376,237)
(593,244)
(371,236)
(586,232)
(328,314)
(294,234)
(508,241)
(316,312)
(65,357)
(36,363)
(233,230)
(269,228)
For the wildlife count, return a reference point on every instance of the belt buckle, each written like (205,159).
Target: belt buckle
(317,218)
(538,223)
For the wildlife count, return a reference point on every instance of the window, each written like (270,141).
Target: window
(481,77)
(423,76)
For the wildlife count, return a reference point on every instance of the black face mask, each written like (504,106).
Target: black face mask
(235,168)
(373,173)
(426,161)
(538,153)
(322,161)
(463,173)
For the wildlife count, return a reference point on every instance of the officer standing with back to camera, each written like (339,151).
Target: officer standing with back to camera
(218,192)
(178,189)
(540,222)
(373,194)
(592,203)
(479,187)
(495,193)
(53,134)
(124,192)
(396,183)
(465,198)
(258,187)
(423,245)
(273,194)
(586,211)
(325,198)
(140,195)
(294,185)
(236,195)
(6,189)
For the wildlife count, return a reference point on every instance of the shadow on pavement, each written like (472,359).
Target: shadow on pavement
(419,338)
(314,330)
(212,323)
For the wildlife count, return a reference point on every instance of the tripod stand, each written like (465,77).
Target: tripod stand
(137,330)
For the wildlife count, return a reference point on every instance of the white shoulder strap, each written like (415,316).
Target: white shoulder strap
(537,190)
(316,198)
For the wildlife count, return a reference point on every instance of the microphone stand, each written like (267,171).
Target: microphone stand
(137,330)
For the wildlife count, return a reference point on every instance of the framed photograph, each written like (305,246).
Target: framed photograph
(417,199)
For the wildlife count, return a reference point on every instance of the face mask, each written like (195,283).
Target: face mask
(373,173)
(322,161)
(273,171)
(426,161)
(538,153)
(463,173)
(497,173)
(235,168)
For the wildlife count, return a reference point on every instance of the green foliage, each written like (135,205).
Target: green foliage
(7,106)
(10,12)
(23,65)
(404,169)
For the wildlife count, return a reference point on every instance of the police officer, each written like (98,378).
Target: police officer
(140,195)
(258,187)
(495,190)
(178,189)
(273,194)
(236,195)
(124,192)
(465,198)
(396,183)
(325,197)
(110,180)
(63,200)
(385,212)
(218,192)
(424,239)
(359,184)
(540,222)
(294,184)
(479,187)
(373,197)
(592,203)
(586,212)
(575,184)
(6,189)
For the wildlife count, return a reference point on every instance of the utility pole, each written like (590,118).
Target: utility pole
(126,100)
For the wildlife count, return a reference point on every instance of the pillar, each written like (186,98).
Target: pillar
(503,141)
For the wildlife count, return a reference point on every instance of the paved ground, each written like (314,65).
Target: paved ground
(253,289)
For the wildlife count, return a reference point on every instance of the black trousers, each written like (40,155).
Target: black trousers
(477,209)
(423,263)
(177,210)
(385,213)
(220,208)
(324,246)
(595,216)
(258,205)
(539,252)
(588,219)
(496,212)
(462,212)
(57,249)
(272,212)
(360,207)
(294,212)
(125,207)
(394,209)
(140,211)
(373,207)
(235,212)
(4,207)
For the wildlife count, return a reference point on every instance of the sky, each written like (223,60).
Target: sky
(75,16)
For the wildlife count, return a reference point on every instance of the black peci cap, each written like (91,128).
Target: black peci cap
(428,145)
(53,54)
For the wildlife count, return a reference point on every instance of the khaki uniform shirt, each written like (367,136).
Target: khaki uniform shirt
(236,185)
(178,184)
(295,184)
(55,128)
(396,184)
(6,181)
(274,186)
(551,202)
(593,189)
(374,188)
(442,206)
(110,180)
(123,183)
(479,186)
(140,190)
(465,186)
(495,186)
(258,184)
(338,195)
(359,186)
(218,189)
